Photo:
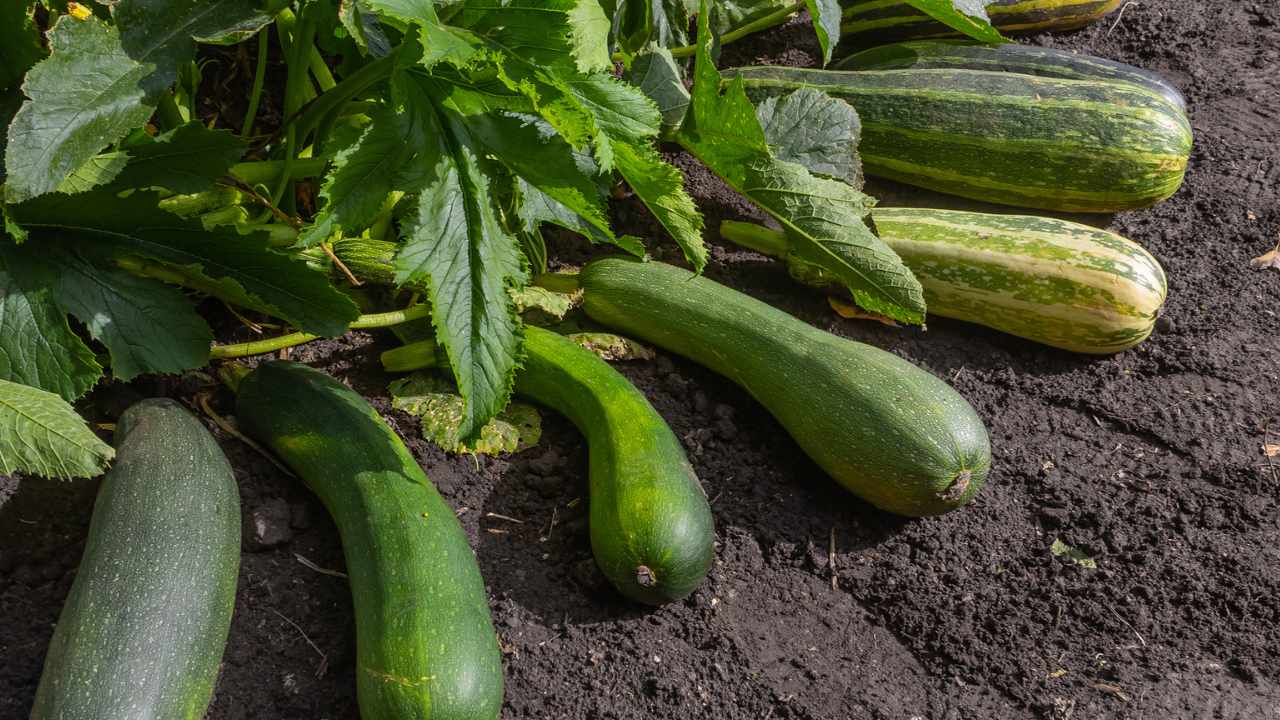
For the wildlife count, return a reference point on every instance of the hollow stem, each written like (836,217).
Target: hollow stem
(259,78)
(414,356)
(752,236)
(558,282)
(280,342)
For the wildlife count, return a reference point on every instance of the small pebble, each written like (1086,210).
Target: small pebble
(268,525)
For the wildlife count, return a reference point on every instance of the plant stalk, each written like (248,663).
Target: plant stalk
(259,78)
(753,236)
(773,19)
(414,356)
(280,342)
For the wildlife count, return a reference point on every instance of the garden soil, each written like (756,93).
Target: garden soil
(1148,466)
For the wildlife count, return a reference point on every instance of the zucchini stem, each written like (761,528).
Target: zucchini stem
(414,356)
(259,77)
(754,236)
(566,283)
(280,342)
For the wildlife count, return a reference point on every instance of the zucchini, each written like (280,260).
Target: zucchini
(868,22)
(1011,58)
(1055,282)
(1039,142)
(890,432)
(144,627)
(651,528)
(425,642)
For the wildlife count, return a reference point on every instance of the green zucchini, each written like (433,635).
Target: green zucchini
(651,528)
(1055,282)
(143,630)
(1011,58)
(425,642)
(890,432)
(868,22)
(1067,145)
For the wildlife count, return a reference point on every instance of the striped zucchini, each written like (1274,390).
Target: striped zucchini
(867,22)
(1010,57)
(1056,282)
(1050,143)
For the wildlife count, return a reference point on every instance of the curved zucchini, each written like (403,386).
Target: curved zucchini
(143,630)
(425,642)
(867,22)
(1056,282)
(1068,145)
(651,528)
(652,533)
(1010,58)
(888,431)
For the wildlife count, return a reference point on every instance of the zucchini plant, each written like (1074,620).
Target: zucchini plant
(456,129)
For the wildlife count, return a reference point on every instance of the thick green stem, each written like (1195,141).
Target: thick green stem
(414,356)
(558,282)
(259,77)
(260,172)
(232,374)
(763,240)
(364,322)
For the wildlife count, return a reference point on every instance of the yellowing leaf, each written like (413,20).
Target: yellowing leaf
(853,312)
(78,11)
(1268,260)
(1075,555)
(1271,450)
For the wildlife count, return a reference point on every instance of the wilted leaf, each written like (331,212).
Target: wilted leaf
(1267,260)
(1271,450)
(816,130)
(612,347)
(1075,555)
(438,403)
(554,305)
(853,312)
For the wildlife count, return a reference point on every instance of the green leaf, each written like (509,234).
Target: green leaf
(37,347)
(458,246)
(731,14)
(99,170)
(363,175)
(364,29)
(84,96)
(187,159)
(655,72)
(565,35)
(815,130)
(163,33)
(231,265)
(518,427)
(537,207)
(147,326)
(967,16)
(825,218)
(826,23)
(41,434)
(100,82)
(660,186)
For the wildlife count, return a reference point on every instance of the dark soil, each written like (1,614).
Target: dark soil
(1149,462)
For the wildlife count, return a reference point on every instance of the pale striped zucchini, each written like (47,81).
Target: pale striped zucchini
(1055,282)
(867,22)
(1011,58)
(1024,140)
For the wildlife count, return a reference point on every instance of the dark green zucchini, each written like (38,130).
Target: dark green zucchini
(890,432)
(651,528)
(1010,58)
(1068,145)
(869,22)
(425,642)
(143,630)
